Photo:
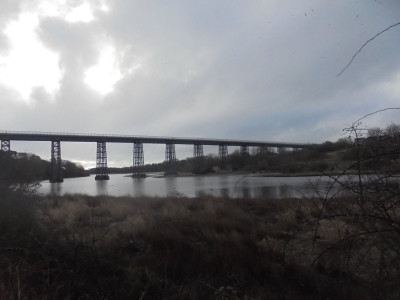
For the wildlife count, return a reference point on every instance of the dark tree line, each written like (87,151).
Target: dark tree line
(26,167)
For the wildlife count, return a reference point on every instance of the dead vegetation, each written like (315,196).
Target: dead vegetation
(123,248)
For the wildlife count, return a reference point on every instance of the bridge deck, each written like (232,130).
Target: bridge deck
(82,137)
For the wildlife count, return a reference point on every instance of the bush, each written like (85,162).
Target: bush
(356,230)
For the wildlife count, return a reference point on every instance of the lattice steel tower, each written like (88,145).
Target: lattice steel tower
(170,158)
(263,150)
(138,161)
(223,156)
(244,151)
(101,162)
(198,156)
(56,163)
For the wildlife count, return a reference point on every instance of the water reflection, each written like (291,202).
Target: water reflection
(138,187)
(198,182)
(55,188)
(245,189)
(226,185)
(170,186)
(223,180)
(101,187)
(286,191)
(224,192)
(277,191)
(246,192)
(268,191)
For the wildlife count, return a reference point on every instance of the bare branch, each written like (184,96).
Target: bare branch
(378,111)
(365,44)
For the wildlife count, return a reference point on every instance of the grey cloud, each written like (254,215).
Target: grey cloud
(251,70)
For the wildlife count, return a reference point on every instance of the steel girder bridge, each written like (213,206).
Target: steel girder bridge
(138,156)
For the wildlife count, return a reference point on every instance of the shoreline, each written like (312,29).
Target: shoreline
(252,174)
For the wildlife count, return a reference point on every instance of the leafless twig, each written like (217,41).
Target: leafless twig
(365,44)
(375,112)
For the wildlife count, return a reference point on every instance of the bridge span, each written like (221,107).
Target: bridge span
(138,158)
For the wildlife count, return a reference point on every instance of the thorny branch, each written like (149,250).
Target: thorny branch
(365,44)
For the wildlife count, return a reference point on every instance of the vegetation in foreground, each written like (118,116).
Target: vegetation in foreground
(82,247)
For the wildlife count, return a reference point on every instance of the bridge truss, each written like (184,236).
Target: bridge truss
(138,156)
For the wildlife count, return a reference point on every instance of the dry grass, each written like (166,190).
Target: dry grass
(203,243)
(178,248)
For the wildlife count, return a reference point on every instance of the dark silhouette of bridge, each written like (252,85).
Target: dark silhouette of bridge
(138,156)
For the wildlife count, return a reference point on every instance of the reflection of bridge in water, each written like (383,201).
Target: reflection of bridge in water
(138,156)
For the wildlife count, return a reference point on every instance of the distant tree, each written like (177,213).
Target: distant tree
(28,168)
(393,130)
(375,132)
(344,143)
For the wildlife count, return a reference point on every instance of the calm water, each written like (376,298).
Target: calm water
(248,186)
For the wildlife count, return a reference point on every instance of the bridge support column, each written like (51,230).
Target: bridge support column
(223,156)
(101,162)
(198,156)
(56,162)
(138,161)
(263,150)
(244,151)
(5,145)
(170,159)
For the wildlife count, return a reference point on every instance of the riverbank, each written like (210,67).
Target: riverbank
(179,248)
(252,174)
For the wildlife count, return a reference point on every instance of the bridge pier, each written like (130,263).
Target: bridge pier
(138,161)
(5,145)
(101,162)
(56,162)
(170,159)
(198,156)
(223,156)
(263,150)
(244,151)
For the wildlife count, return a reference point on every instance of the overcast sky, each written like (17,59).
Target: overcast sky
(254,70)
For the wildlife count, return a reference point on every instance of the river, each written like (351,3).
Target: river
(156,185)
